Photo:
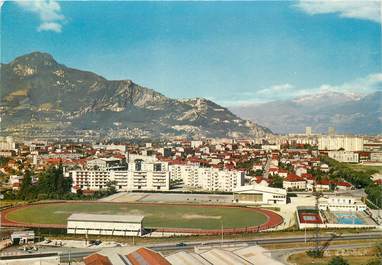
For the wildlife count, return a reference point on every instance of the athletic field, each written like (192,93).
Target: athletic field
(156,215)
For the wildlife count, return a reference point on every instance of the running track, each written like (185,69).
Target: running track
(273,220)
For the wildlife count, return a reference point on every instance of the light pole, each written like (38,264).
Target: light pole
(1,212)
(305,234)
(222,228)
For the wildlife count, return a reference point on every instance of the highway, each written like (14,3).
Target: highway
(260,241)
(267,241)
(75,254)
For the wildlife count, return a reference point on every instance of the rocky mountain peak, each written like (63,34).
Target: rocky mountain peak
(37,59)
(31,64)
(37,89)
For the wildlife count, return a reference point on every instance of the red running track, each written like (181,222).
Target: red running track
(273,220)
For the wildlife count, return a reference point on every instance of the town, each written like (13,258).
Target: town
(315,181)
(190,132)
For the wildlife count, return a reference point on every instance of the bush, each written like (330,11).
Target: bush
(338,261)
(315,253)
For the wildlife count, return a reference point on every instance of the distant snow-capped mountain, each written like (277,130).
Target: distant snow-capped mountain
(348,112)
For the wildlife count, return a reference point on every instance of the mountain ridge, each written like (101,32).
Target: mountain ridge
(348,113)
(37,89)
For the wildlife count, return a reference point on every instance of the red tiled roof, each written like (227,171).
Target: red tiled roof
(293,178)
(323,182)
(144,256)
(97,259)
(343,183)
(307,176)
(259,179)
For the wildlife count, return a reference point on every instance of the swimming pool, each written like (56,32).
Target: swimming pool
(348,218)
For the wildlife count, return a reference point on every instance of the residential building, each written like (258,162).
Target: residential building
(344,156)
(7,143)
(342,204)
(348,143)
(140,175)
(294,182)
(207,178)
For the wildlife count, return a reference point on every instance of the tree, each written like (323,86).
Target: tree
(111,187)
(277,182)
(26,185)
(338,261)
(4,160)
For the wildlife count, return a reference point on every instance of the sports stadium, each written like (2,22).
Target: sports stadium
(182,218)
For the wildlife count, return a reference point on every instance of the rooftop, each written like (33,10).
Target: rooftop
(113,218)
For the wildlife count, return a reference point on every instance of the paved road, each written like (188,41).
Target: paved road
(78,254)
(267,241)
(260,241)
(266,168)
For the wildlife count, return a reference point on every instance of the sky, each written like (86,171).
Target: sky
(234,53)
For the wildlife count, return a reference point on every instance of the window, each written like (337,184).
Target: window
(157,167)
(138,165)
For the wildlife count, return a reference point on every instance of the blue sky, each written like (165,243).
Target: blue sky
(230,52)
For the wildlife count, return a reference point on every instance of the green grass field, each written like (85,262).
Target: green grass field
(156,216)
(361,167)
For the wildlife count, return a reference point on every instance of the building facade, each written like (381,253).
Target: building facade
(207,178)
(344,156)
(341,204)
(258,194)
(348,143)
(140,175)
(105,224)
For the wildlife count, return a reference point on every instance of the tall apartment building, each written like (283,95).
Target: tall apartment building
(308,131)
(7,143)
(348,143)
(331,131)
(140,175)
(211,179)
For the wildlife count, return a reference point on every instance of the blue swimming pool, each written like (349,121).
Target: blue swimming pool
(348,218)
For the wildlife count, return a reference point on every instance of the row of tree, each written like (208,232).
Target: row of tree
(358,178)
(51,184)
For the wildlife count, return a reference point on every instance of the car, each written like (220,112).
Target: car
(181,244)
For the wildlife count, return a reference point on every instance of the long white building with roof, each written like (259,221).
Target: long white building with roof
(105,224)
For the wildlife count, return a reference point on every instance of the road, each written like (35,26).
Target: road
(260,241)
(266,168)
(72,254)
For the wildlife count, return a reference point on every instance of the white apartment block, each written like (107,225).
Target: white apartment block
(139,175)
(344,156)
(7,143)
(348,143)
(342,204)
(294,185)
(207,178)
(376,156)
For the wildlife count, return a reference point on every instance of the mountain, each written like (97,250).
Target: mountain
(41,95)
(347,112)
